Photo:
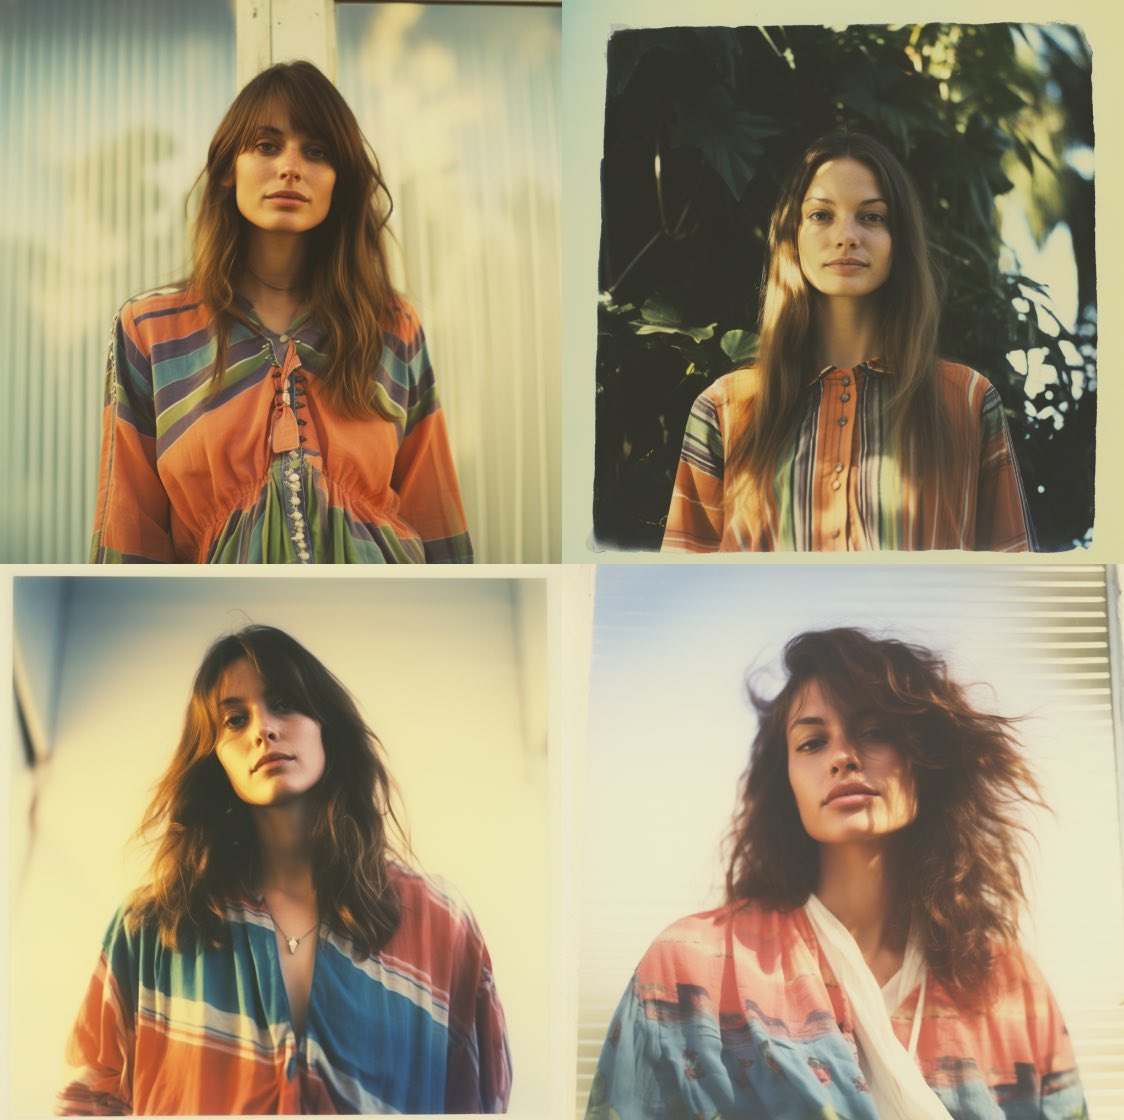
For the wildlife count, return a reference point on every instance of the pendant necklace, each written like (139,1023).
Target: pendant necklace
(292,942)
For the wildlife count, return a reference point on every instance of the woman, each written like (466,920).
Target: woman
(279,959)
(848,432)
(865,963)
(279,406)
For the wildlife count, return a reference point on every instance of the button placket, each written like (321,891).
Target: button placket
(836,501)
(289,399)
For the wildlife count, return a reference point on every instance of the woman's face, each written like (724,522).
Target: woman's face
(850,780)
(844,235)
(283,182)
(271,753)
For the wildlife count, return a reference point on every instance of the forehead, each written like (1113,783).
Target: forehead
(240,679)
(844,179)
(813,701)
(277,114)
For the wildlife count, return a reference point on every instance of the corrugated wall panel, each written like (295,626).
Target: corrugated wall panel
(460,103)
(108,111)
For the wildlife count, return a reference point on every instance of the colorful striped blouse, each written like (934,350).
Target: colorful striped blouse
(415,1028)
(736,1013)
(262,470)
(840,485)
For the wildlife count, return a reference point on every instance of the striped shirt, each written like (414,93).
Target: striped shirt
(417,1027)
(263,470)
(840,484)
(736,1013)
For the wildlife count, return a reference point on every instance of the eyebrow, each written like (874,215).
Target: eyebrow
(865,201)
(231,701)
(817,721)
(273,130)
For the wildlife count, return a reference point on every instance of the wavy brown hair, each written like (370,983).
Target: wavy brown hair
(958,867)
(206,846)
(347,275)
(909,307)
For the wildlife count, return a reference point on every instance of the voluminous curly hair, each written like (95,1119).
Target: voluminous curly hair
(958,867)
(206,846)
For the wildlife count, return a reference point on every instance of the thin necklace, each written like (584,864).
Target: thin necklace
(293,942)
(261,280)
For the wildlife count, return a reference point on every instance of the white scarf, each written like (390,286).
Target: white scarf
(899,1090)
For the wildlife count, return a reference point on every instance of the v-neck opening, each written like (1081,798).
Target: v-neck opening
(299,1035)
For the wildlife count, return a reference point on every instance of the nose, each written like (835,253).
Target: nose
(292,164)
(844,758)
(266,729)
(848,233)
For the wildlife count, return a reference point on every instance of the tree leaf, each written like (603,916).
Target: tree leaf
(739,346)
(660,316)
(729,139)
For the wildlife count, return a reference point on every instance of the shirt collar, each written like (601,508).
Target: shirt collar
(871,365)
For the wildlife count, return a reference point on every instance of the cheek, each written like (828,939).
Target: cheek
(223,755)
(800,792)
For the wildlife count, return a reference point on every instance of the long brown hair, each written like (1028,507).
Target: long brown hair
(206,848)
(959,863)
(348,277)
(909,307)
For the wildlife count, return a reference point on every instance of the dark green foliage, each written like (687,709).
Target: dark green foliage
(701,128)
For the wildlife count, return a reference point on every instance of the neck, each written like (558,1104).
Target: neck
(273,261)
(284,849)
(846,330)
(855,884)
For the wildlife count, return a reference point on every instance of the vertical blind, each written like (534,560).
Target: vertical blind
(106,113)
(669,731)
(460,103)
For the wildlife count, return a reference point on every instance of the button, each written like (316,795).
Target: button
(838,468)
(283,337)
(846,397)
(842,421)
(836,484)
(846,381)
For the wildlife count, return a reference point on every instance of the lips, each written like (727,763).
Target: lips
(293,196)
(846,262)
(849,789)
(273,756)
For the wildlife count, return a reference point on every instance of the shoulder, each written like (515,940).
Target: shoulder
(163,313)
(160,301)
(1016,973)
(749,931)
(735,387)
(959,381)
(400,321)
(429,900)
